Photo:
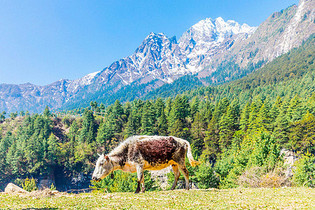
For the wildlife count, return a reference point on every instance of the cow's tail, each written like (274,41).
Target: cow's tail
(191,159)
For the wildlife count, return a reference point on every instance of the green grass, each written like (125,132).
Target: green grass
(240,198)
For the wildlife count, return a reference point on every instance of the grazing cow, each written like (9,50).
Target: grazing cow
(138,153)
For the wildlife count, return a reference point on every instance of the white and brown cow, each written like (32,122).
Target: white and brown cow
(138,153)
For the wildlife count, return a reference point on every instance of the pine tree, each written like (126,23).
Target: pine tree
(117,109)
(302,134)
(211,141)
(295,109)
(106,133)
(197,132)
(179,112)
(252,119)
(159,107)
(275,110)
(46,112)
(102,108)
(130,128)
(52,149)
(93,105)
(11,159)
(281,128)
(179,130)
(194,106)
(207,112)
(162,125)
(147,119)
(73,131)
(118,115)
(263,119)
(89,127)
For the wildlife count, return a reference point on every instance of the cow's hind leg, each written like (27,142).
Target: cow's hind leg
(142,185)
(140,178)
(176,175)
(184,171)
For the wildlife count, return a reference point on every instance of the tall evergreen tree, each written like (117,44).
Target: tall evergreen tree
(162,124)
(198,133)
(89,127)
(295,109)
(147,119)
(244,121)
(281,129)
(302,134)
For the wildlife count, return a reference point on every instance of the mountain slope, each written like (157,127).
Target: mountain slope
(281,32)
(286,76)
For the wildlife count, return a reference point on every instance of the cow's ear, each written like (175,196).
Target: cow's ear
(106,157)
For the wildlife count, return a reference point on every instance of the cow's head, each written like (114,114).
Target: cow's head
(103,167)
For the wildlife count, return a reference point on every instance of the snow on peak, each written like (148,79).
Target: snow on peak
(153,35)
(87,79)
(232,27)
(210,32)
(215,30)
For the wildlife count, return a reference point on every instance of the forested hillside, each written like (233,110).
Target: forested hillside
(236,130)
(289,74)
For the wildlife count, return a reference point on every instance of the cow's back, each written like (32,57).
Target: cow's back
(155,150)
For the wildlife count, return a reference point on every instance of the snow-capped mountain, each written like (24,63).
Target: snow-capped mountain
(209,37)
(165,59)
(160,59)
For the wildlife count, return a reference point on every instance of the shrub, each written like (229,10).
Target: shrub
(274,179)
(304,173)
(258,177)
(52,187)
(250,177)
(206,177)
(120,181)
(203,175)
(29,185)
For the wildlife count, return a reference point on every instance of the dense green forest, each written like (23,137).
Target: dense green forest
(236,130)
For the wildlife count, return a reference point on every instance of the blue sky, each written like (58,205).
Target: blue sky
(43,41)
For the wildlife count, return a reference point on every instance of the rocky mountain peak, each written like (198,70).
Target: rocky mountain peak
(211,31)
(154,42)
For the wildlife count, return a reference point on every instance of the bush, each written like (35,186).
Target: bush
(304,173)
(274,179)
(29,185)
(205,177)
(250,177)
(120,181)
(257,177)
(52,187)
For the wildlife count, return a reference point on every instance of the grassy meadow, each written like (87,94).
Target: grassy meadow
(237,198)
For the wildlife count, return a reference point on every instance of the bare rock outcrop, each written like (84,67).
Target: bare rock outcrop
(12,188)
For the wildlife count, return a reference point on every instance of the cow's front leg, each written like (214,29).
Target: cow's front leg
(176,175)
(140,178)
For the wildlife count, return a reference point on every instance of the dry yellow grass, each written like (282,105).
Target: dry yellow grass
(240,198)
